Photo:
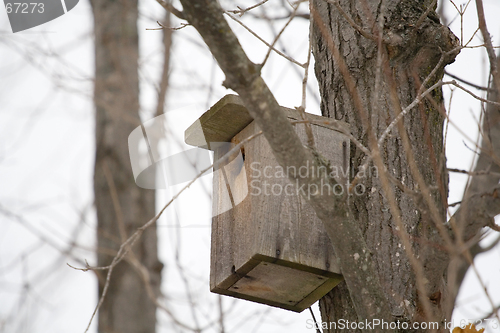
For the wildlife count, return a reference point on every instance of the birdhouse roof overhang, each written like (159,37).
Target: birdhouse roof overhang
(228,117)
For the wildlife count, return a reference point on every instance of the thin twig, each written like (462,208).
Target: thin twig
(168,6)
(478,46)
(306,71)
(277,18)
(420,97)
(473,173)
(340,128)
(302,108)
(242,11)
(468,256)
(263,41)
(468,82)
(315,321)
(408,108)
(221,314)
(144,273)
(474,95)
(490,247)
(292,16)
(471,38)
(162,26)
(432,73)
(351,22)
(445,136)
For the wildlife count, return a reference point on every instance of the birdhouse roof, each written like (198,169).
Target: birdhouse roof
(229,116)
(219,124)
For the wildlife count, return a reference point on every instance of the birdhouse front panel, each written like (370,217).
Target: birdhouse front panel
(268,245)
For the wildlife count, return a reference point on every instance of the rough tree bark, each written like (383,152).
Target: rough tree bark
(121,205)
(414,50)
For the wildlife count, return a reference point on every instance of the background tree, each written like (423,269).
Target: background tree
(122,206)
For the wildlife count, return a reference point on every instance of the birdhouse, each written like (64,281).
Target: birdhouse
(268,245)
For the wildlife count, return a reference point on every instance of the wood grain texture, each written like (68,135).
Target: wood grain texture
(219,124)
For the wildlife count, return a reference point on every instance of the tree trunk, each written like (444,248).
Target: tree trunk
(121,205)
(413,152)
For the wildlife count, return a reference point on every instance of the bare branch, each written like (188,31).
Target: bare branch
(474,173)
(276,18)
(474,95)
(470,40)
(292,16)
(467,82)
(263,41)
(341,128)
(438,66)
(242,11)
(417,100)
(315,321)
(302,108)
(168,6)
(164,27)
(353,24)
(489,247)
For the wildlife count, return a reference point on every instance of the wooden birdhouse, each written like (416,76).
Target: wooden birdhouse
(268,246)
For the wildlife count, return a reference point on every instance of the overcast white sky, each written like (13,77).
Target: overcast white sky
(46,168)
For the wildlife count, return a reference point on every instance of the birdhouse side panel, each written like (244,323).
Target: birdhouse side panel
(230,221)
(283,223)
(315,247)
(222,220)
(253,217)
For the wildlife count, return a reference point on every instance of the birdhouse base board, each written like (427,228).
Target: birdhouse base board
(278,283)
